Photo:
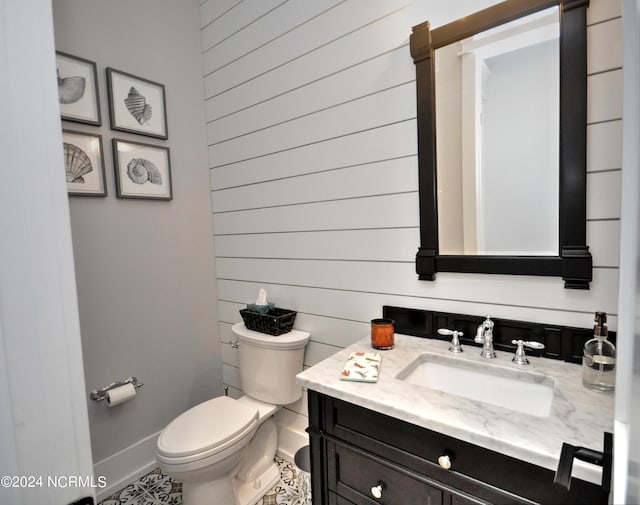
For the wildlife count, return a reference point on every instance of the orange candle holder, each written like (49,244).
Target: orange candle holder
(382,332)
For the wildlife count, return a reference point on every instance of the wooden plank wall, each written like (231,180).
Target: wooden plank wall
(312,147)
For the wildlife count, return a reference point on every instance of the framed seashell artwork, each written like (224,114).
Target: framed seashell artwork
(84,164)
(137,105)
(78,89)
(142,170)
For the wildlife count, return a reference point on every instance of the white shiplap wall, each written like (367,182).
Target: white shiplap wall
(312,148)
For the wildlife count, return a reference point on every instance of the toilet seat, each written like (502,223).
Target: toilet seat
(206,429)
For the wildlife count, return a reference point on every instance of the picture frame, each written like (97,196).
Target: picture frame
(142,170)
(84,164)
(78,92)
(136,105)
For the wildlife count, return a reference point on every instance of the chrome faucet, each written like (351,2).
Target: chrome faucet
(484,335)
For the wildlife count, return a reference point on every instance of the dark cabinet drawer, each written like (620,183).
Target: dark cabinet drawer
(353,474)
(476,471)
(335,499)
(457,499)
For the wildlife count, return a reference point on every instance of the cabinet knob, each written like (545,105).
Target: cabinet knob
(445,461)
(376,491)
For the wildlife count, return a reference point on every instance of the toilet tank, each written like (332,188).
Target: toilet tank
(269,364)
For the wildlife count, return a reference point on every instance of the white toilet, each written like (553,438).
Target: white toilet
(223,450)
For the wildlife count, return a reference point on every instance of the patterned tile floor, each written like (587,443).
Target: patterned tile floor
(155,488)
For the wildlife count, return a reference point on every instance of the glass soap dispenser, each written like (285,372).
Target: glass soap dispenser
(599,358)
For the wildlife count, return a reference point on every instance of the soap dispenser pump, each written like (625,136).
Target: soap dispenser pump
(599,358)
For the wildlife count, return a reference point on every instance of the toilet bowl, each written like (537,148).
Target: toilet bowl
(223,449)
(203,447)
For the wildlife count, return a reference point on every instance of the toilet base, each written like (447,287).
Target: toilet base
(202,492)
(258,471)
(248,493)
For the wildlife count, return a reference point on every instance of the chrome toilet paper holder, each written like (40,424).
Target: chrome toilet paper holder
(98,395)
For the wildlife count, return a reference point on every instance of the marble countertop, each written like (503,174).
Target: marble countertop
(578,416)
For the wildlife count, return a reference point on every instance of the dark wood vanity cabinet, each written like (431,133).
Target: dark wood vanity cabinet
(357,453)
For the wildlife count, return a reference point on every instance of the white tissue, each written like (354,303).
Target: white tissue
(120,394)
(262,297)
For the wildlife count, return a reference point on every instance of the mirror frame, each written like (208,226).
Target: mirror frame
(573,263)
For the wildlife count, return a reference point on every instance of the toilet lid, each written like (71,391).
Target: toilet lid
(210,426)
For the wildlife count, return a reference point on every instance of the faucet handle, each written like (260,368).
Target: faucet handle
(455,342)
(519,358)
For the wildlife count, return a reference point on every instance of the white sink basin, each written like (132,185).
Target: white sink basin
(522,391)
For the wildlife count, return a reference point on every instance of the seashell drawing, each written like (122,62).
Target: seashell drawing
(137,105)
(76,163)
(70,89)
(141,170)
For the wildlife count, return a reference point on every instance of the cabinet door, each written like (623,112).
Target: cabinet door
(335,499)
(366,479)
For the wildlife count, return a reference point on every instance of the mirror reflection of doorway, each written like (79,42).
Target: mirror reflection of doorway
(518,173)
(497,99)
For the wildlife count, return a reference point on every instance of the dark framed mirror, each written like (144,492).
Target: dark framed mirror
(544,233)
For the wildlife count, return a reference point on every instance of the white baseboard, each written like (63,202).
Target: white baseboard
(126,466)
